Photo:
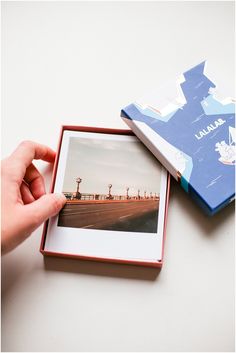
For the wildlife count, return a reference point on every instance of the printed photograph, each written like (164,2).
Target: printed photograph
(111,185)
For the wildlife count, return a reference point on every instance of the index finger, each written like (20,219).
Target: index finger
(26,152)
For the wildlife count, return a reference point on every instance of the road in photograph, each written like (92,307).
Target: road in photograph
(131,216)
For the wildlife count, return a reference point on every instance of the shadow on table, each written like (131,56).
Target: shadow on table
(100,269)
(207,224)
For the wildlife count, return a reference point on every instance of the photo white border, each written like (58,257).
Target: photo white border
(136,246)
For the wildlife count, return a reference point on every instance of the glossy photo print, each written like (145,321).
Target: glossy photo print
(111,184)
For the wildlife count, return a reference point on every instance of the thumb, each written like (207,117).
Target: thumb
(43,208)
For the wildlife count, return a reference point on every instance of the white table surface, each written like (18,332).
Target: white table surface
(79,63)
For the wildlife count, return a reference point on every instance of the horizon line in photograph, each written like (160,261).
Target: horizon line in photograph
(109,195)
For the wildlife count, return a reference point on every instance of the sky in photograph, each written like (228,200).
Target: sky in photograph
(101,162)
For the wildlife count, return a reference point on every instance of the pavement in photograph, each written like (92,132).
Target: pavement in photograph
(135,216)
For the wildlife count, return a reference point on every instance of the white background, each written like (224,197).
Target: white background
(80,63)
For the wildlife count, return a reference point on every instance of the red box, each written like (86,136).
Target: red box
(95,258)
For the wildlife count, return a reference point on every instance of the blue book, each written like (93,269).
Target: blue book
(192,133)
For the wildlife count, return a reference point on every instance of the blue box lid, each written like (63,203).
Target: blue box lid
(193,136)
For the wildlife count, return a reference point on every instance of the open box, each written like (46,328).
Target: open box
(117,199)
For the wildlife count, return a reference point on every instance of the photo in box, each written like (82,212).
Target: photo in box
(116,199)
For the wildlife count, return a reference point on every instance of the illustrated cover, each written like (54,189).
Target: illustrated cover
(192,135)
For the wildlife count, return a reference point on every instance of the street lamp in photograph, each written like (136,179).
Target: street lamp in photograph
(78,194)
(109,191)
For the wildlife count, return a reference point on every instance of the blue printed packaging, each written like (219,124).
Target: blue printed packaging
(192,133)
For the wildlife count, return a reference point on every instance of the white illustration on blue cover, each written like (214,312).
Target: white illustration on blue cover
(154,113)
(227,151)
(211,106)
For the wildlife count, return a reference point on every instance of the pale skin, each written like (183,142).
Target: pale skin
(25,204)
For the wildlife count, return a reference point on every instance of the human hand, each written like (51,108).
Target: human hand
(24,202)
